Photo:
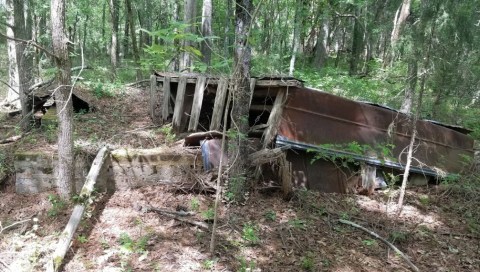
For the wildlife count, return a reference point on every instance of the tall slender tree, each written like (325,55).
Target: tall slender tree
(241,98)
(207,31)
(63,100)
(114,10)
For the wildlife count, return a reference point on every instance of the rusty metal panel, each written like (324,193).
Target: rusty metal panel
(311,117)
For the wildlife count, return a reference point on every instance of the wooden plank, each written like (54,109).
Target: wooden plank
(155,101)
(197,103)
(179,101)
(85,197)
(219,105)
(259,82)
(253,82)
(274,118)
(369,173)
(166,99)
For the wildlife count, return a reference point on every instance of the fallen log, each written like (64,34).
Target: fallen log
(11,139)
(86,194)
(394,248)
(174,215)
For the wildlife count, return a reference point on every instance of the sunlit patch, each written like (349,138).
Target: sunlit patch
(409,212)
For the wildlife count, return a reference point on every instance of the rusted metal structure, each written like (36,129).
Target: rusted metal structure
(303,121)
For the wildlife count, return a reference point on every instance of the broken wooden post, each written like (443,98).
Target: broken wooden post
(166,99)
(85,198)
(369,173)
(286,172)
(155,101)
(253,82)
(274,118)
(179,99)
(197,103)
(219,105)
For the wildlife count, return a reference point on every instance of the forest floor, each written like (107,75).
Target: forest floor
(439,228)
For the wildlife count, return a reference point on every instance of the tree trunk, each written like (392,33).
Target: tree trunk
(131,22)
(189,18)
(400,18)
(114,7)
(357,44)
(241,100)
(13,94)
(63,100)
(321,48)
(126,34)
(207,31)
(296,36)
(410,86)
(228,23)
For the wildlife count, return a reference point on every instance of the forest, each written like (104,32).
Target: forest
(76,94)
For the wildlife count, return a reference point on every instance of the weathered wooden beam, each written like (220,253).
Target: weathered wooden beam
(197,103)
(258,83)
(219,105)
(166,99)
(78,210)
(253,82)
(155,101)
(286,176)
(179,104)
(369,173)
(274,118)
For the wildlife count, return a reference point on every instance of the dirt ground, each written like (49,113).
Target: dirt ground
(439,228)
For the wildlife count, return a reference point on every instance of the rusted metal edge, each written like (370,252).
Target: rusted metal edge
(283,142)
(377,128)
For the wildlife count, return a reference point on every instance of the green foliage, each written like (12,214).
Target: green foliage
(308,262)
(249,233)
(58,205)
(347,154)
(50,132)
(82,239)
(208,214)
(208,264)
(399,236)
(194,204)
(236,189)
(131,246)
(246,266)
(169,135)
(5,167)
(270,215)
(369,242)
(298,224)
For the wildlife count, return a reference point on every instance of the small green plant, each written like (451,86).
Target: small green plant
(308,262)
(424,199)
(169,135)
(82,239)
(298,223)
(50,132)
(249,233)
(194,204)
(100,90)
(245,265)
(398,236)
(129,245)
(208,264)
(270,215)
(208,214)
(58,205)
(369,242)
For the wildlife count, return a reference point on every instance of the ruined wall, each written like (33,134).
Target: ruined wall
(35,171)
(139,167)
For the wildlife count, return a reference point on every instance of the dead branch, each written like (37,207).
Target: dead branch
(11,139)
(199,224)
(394,248)
(162,211)
(137,83)
(2,229)
(30,42)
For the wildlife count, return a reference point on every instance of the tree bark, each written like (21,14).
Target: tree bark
(189,18)
(114,7)
(241,100)
(13,94)
(296,35)
(357,44)
(321,48)
(207,31)
(63,100)
(131,22)
(400,18)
